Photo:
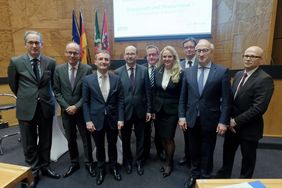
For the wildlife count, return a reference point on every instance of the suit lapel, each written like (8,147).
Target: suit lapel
(126,79)
(236,81)
(78,75)
(97,87)
(211,75)
(65,75)
(28,66)
(194,78)
(111,80)
(248,83)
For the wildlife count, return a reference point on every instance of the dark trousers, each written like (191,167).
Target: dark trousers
(37,154)
(126,131)
(147,139)
(202,144)
(71,123)
(248,150)
(99,139)
(157,140)
(186,147)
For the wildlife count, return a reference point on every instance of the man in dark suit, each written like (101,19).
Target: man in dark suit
(204,109)
(189,45)
(137,102)
(103,108)
(252,89)
(31,79)
(152,55)
(68,79)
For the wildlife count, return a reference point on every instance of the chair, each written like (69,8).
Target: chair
(4,124)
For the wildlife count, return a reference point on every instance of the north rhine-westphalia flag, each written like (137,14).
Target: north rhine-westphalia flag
(105,36)
(97,37)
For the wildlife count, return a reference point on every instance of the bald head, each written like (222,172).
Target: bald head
(204,51)
(253,57)
(130,55)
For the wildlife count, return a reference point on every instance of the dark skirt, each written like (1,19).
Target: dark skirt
(166,124)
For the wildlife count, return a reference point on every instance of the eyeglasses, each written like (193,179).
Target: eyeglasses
(189,47)
(205,50)
(252,57)
(31,43)
(73,53)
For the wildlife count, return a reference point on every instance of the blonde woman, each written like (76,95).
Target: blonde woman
(168,86)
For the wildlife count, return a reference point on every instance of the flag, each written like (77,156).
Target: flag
(97,37)
(75,31)
(105,37)
(83,40)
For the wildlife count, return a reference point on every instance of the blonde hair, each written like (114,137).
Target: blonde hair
(176,69)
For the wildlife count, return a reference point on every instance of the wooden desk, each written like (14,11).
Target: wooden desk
(212,183)
(11,175)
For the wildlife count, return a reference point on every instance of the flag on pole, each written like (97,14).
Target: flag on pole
(97,37)
(83,40)
(105,37)
(75,31)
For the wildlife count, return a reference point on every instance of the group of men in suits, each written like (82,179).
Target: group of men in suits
(123,102)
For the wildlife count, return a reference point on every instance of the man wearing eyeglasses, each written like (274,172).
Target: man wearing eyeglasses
(204,109)
(68,81)
(252,91)
(31,78)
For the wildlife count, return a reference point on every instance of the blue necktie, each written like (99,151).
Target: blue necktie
(201,80)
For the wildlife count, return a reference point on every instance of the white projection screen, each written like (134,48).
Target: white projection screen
(161,19)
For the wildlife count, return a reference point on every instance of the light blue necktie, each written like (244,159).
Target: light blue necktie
(201,80)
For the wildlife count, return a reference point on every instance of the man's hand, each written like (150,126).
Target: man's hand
(71,110)
(148,117)
(232,125)
(221,129)
(90,126)
(120,124)
(153,116)
(183,125)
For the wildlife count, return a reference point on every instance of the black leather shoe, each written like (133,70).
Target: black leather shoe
(34,183)
(140,169)
(116,174)
(167,171)
(162,169)
(72,169)
(129,168)
(50,173)
(182,161)
(190,183)
(91,169)
(100,177)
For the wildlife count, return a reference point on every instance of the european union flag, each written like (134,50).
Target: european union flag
(75,31)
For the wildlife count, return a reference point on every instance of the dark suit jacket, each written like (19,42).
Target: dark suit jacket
(213,104)
(182,63)
(250,103)
(167,99)
(29,90)
(65,95)
(137,99)
(95,107)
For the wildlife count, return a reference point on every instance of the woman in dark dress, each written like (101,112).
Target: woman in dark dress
(168,86)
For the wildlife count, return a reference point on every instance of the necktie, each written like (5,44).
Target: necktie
(131,76)
(35,68)
(189,63)
(72,77)
(201,80)
(243,80)
(152,76)
(104,87)
(241,83)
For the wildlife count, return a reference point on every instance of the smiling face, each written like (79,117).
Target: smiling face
(152,56)
(189,49)
(130,55)
(204,52)
(33,44)
(72,53)
(168,59)
(102,61)
(252,58)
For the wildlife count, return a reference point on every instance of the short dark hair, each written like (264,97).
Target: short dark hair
(190,39)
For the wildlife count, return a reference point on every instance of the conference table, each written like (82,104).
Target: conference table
(221,183)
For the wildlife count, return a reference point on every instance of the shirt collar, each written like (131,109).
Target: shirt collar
(100,75)
(249,73)
(31,58)
(208,66)
(193,60)
(76,66)
(128,67)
